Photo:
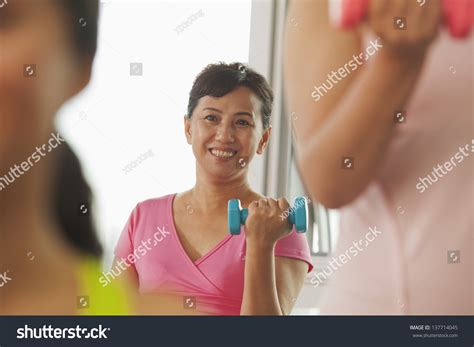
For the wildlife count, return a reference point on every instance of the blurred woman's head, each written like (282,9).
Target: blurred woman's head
(47,51)
(228,119)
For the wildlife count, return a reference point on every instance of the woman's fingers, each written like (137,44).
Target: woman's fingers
(253,205)
(265,224)
(273,204)
(404,26)
(283,204)
(263,202)
(270,205)
(430,15)
(276,206)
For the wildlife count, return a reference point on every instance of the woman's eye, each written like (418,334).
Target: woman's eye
(242,122)
(211,117)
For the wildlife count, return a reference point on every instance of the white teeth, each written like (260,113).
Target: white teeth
(222,154)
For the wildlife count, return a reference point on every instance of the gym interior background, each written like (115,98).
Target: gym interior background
(127,126)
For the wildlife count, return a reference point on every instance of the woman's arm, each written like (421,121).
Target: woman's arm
(271,283)
(290,275)
(355,118)
(129,275)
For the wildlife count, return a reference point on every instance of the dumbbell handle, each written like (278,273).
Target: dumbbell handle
(245,212)
(297,215)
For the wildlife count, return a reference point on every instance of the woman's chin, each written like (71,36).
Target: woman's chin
(224,172)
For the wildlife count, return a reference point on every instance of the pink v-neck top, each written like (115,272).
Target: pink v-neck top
(215,282)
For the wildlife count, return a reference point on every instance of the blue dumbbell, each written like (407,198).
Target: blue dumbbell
(297,215)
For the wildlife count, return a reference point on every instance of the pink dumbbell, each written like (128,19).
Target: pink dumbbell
(457,14)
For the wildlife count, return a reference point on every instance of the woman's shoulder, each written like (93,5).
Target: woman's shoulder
(154,203)
(151,210)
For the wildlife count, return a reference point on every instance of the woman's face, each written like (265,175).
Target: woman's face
(226,133)
(39,71)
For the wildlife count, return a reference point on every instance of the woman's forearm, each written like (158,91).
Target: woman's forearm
(260,291)
(359,127)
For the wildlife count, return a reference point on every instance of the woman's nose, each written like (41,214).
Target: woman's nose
(225,134)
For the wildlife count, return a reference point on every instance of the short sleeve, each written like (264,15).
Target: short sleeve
(295,245)
(125,243)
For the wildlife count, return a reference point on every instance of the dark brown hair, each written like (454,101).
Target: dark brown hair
(83,16)
(72,200)
(220,79)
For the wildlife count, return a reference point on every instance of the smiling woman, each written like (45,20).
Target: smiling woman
(260,271)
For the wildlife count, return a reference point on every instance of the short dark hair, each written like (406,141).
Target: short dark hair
(83,16)
(220,79)
(70,192)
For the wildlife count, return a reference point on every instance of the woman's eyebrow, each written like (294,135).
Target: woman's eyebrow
(244,114)
(212,109)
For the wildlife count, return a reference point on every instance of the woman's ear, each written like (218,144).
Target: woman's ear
(264,140)
(187,128)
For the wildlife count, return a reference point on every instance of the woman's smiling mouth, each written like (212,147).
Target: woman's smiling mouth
(223,153)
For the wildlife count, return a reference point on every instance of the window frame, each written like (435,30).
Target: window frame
(271,174)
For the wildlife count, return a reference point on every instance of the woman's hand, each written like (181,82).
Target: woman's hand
(266,223)
(405,27)
(266,287)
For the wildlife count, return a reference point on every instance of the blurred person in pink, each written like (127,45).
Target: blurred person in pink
(404,120)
